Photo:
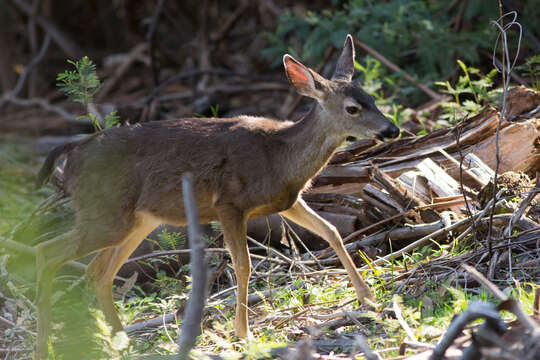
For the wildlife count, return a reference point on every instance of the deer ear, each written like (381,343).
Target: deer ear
(301,78)
(345,64)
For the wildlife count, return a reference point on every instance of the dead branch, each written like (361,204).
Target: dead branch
(71,49)
(523,206)
(474,311)
(399,316)
(27,70)
(151,38)
(191,325)
(121,70)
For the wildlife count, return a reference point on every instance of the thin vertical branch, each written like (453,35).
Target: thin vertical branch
(191,324)
(32,38)
(152,37)
(13,94)
(461,159)
(506,69)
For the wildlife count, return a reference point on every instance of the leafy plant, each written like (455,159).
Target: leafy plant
(471,84)
(531,69)
(405,31)
(171,240)
(81,85)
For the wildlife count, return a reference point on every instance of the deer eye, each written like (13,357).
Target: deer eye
(352,110)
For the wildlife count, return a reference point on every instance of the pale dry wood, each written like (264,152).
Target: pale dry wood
(416,184)
(407,232)
(406,198)
(399,316)
(481,181)
(439,181)
(381,200)
(476,166)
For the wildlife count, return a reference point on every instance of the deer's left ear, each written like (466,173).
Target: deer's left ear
(345,64)
(306,82)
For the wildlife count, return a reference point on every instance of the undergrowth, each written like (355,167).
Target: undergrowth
(428,306)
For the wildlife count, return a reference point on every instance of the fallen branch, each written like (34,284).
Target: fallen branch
(60,38)
(193,313)
(426,239)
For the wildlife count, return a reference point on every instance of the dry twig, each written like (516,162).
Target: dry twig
(191,324)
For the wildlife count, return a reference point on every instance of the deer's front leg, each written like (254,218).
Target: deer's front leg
(233,224)
(304,216)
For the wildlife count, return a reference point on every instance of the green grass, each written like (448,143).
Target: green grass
(18,168)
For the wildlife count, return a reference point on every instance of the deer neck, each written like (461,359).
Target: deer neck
(311,142)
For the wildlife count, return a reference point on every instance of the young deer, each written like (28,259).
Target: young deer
(126,181)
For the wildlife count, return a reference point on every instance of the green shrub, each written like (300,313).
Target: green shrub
(417,35)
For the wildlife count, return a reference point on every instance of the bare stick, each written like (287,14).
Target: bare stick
(121,70)
(193,73)
(45,105)
(32,37)
(506,69)
(478,217)
(191,325)
(523,206)
(486,284)
(27,70)
(59,37)
(151,37)
(11,97)
(426,239)
(461,159)
(506,302)
(399,316)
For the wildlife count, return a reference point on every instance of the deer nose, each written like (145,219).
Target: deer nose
(390,132)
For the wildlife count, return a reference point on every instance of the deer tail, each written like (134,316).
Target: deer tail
(50,163)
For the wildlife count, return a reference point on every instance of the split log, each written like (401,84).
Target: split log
(438,180)
(381,200)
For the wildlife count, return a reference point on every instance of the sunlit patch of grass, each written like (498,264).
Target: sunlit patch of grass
(18,169)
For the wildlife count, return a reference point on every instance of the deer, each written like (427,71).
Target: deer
(126,181)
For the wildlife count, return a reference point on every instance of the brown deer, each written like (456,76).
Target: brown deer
(126,181)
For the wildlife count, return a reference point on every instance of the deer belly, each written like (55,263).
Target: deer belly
(281,203)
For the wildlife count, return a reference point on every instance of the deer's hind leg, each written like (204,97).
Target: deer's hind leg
(105,266)
(90,234)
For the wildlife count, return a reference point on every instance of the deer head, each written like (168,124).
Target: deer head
(350,110)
